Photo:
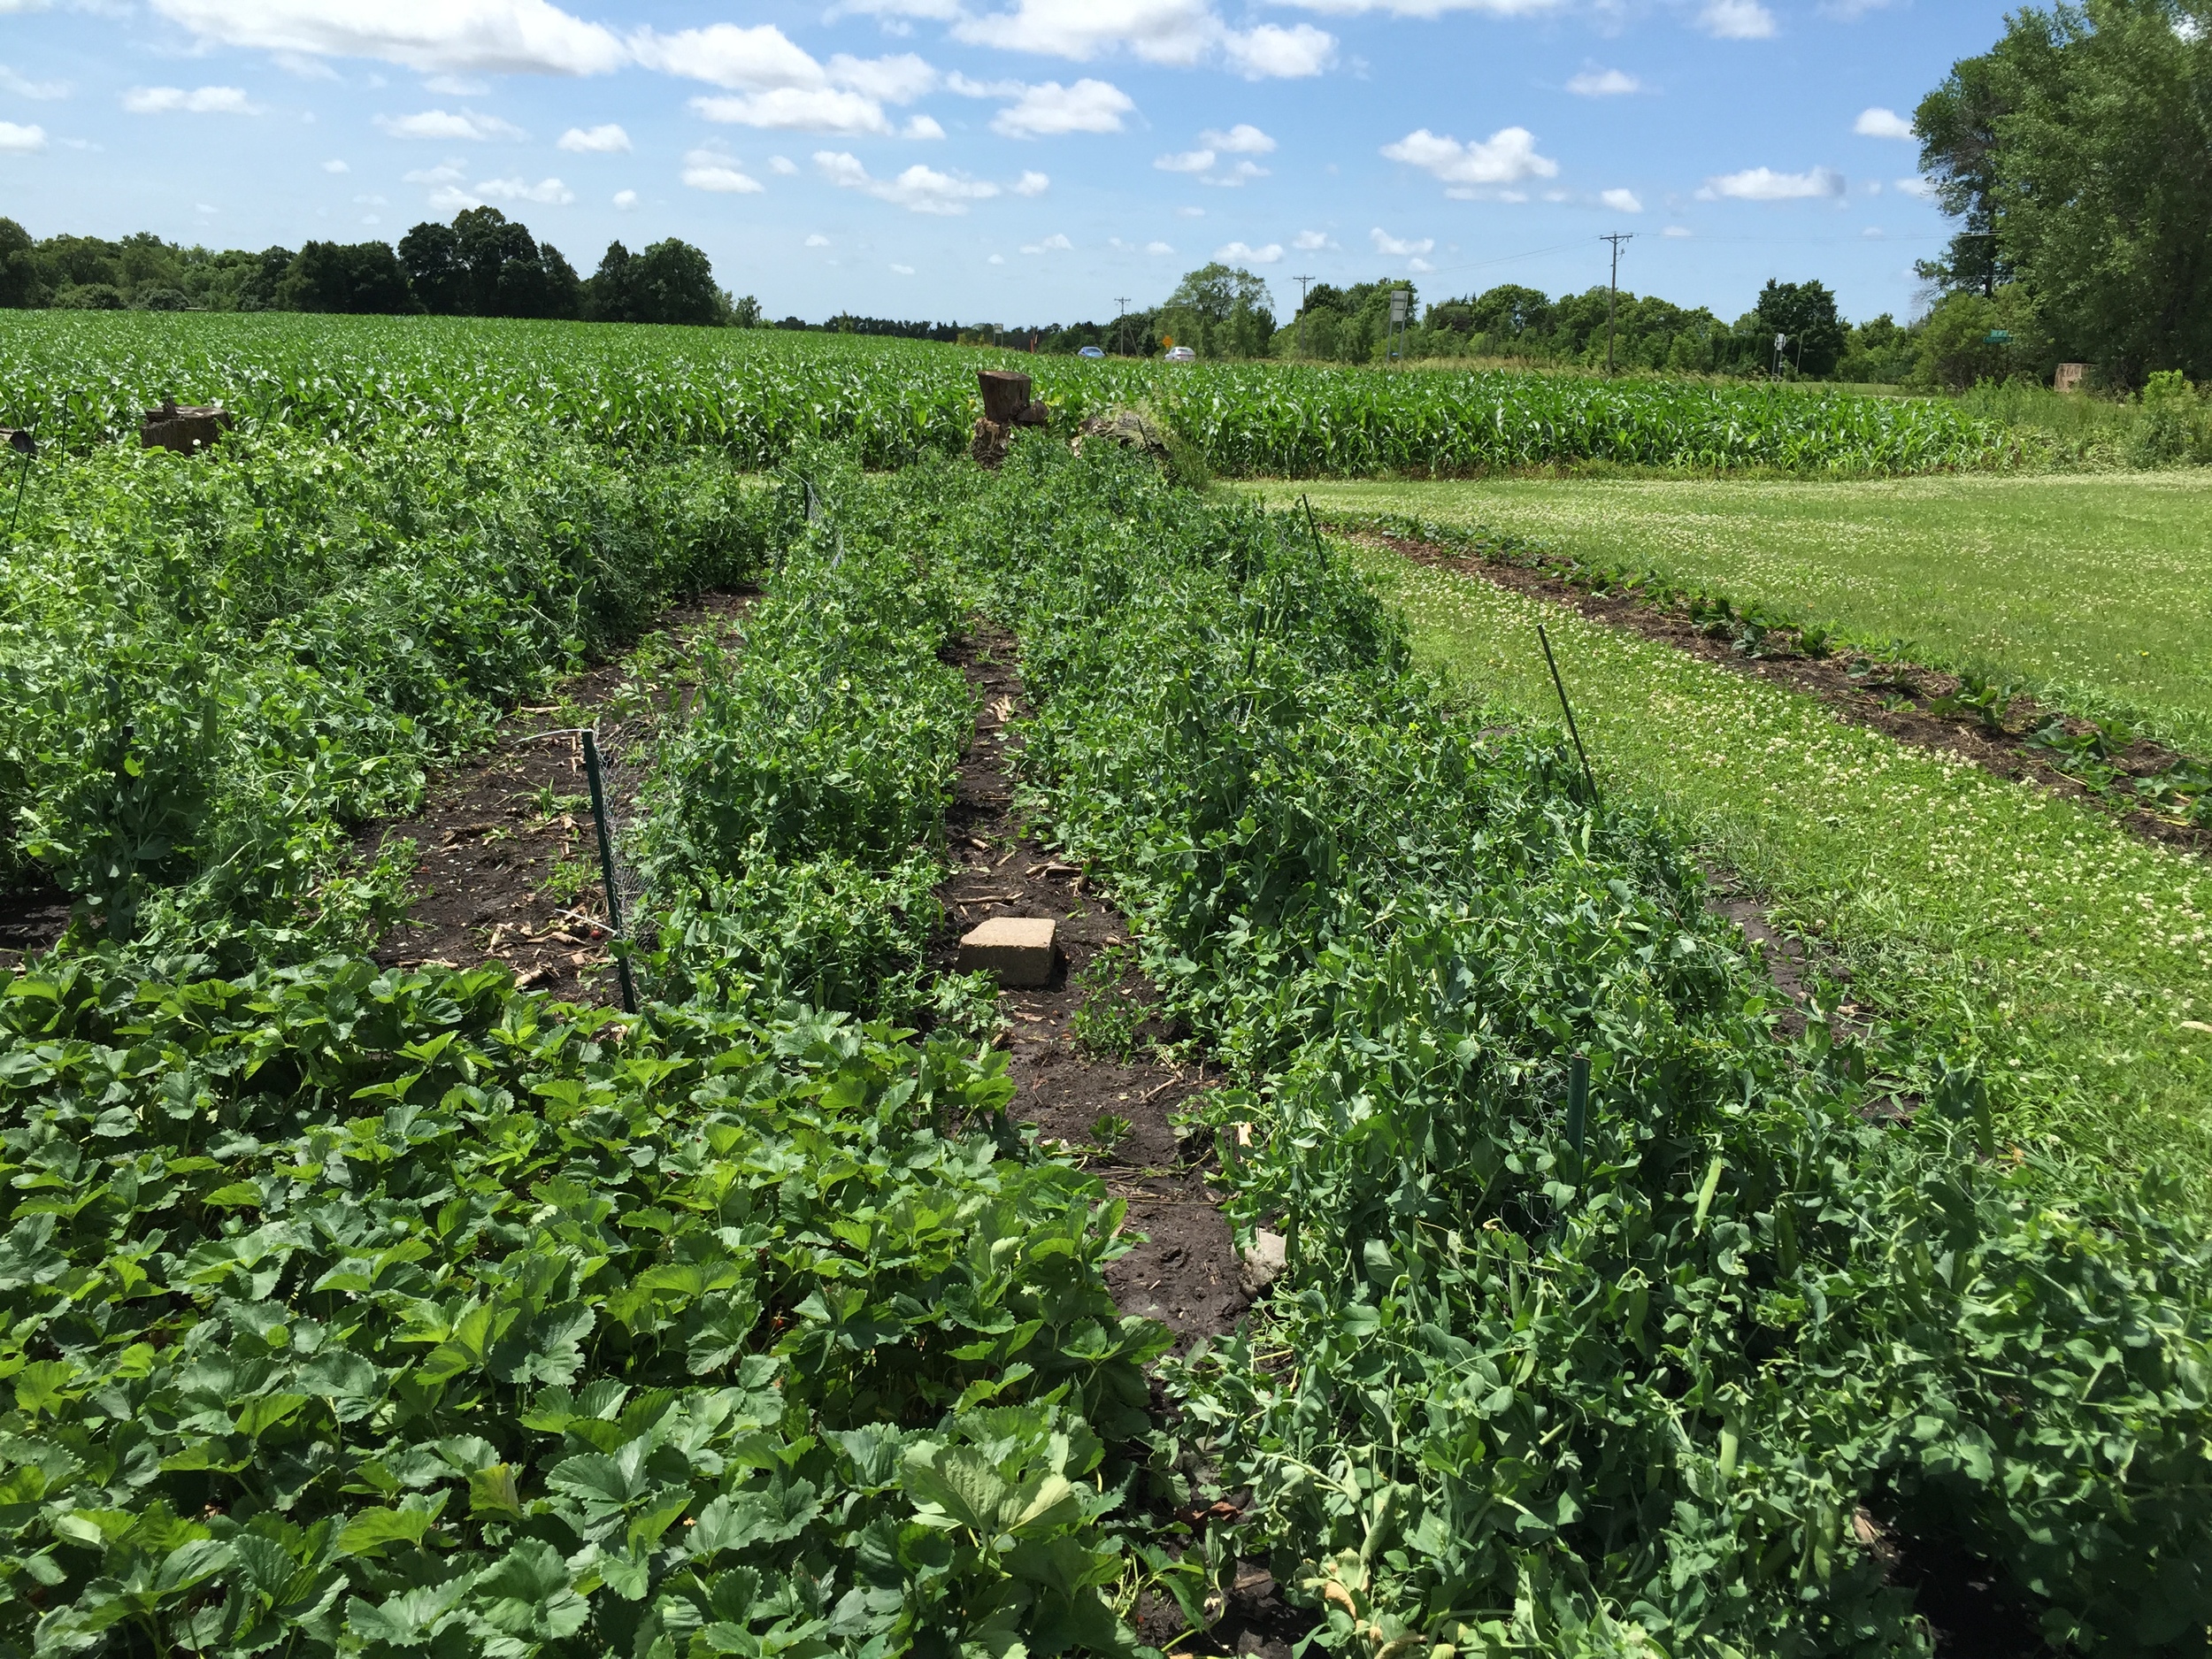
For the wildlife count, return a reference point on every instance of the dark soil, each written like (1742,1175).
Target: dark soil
(1888,701)
(31,919)
(1185,1273)
(501,879)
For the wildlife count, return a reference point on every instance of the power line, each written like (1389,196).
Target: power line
(1613,294)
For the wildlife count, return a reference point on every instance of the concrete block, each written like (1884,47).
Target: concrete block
(1019,950)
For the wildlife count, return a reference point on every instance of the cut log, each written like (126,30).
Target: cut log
(186,428)
(1005,394)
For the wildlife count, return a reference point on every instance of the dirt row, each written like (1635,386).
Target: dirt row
(1888,701)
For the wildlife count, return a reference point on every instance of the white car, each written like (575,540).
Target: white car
(1181,353)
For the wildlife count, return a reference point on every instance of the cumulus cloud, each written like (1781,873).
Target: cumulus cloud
(1621,201)
(1919,188)
(21,140)
(1051,108)
(1235,176)
(1157,247)
(1055,243)
(446,172)
(467,123)
(778,85)
(1604,83)
(1506,157)
(896,79)
(1880,123)
(604,140)
(490,36)
(199,101)
(1238,253)
(1184,161)
(1432,8)
(335,166)
(1400,247)
(816,240)
(1764,184)
(1312,240)
(626,200)
(801,109)
(711,170)
(546,192)
(922,127)
(1030,184)
(1177,33)
(893,13)
(22,87)
(1243,138)
(902,269)
(919,190)
(1737,21)
(1271,52)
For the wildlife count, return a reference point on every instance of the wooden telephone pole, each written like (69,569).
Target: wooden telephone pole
(1301,345)
(1613,297)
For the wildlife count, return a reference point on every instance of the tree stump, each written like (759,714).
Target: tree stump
(187,428)
(1007,402)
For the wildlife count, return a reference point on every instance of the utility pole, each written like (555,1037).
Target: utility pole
(1121,323)
(1613,297)
(1301,345)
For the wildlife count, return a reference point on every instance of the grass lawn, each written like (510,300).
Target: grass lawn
(2060,952)
(2094,590)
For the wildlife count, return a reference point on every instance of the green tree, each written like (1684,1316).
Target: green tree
(20,283)
(1806,313)
(671,281)
(1957,128)
(1220,310)
(432,254)
(364,277)
(2086,152)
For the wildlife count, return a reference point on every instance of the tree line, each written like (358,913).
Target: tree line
(481,265)
(2076,156)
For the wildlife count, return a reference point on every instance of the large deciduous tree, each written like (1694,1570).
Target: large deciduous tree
(1805,313)
(2078,152)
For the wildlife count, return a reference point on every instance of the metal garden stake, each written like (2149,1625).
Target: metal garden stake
(606,869)
(1559,686)
(27,446)
(1578,1105)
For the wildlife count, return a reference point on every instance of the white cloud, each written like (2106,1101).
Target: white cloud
(1604,83)
(1190,213)
(1399,247)
(1737,21)
(1056,243)
(1312,240)
(1157,247)
(451,199)
(335,166)
(547,192)
(711,170)
(1873,233)
(932,10)
(800,109)
(919,190)
(756,59)
(1030,184)
(783,165)
(1431,8)
(1272,52)
(1506,157)
(626,200)
(922,127)
(899,80)
(1237,253)
(1880,123)
(199,101)
(996,258)
(445,124)
(446,86)
(1621,201)
(1051,108)
(902,269)
(1764,184)
(23,88)
(1418,265)
(1677,231)
(1243,138)
(21,140)
(1184,161)
(489,36)
(1919,188)
(1178,32)
(449,173)
(604,140)
(818,240)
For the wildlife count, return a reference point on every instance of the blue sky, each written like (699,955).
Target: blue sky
(1015,160)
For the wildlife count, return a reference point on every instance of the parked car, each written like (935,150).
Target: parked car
(1091,351)
(1181,353)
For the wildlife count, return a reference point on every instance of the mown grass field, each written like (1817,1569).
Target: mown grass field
(2091,590)
(2032,932)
